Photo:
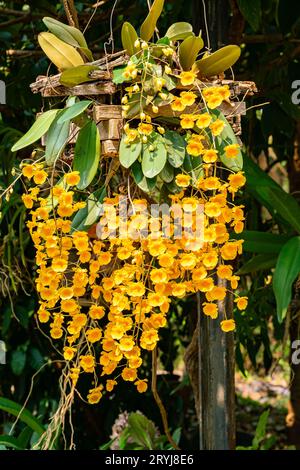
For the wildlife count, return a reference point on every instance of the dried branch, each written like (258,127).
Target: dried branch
(71,13)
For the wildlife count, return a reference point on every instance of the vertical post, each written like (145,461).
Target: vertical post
(216,382)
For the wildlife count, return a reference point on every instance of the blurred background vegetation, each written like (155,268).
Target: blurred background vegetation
(268,31)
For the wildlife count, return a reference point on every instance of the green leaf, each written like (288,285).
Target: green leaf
(258,263)
(73,111)
(227,137)
(260,432)
(86,216)
(23,414)
(146,184)
(271,195)
(179,31)
(189,50)
(76,75)
(128,38)
(88,54)
(18,361)
(154,161)
(129,153)
(10,441)
(163,41)
(56,140)
(175,145)
(141,430)
(286,271)
(251,11)
(193,166)
(118,76)
(137,172)
(167,173)
(149,25)
(66,33)
(87,154)
(94,205)
(25,436)
(36,359)
(261,242)
(37,130)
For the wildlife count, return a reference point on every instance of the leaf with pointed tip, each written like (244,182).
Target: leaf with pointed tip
(189,50)
(73,111)
(149,25)
(37,130)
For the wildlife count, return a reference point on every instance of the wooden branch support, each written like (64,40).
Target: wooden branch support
(216,381)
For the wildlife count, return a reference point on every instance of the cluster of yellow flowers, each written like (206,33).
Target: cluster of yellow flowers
(105,297)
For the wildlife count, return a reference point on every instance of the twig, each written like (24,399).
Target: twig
(160,405)
(71,13)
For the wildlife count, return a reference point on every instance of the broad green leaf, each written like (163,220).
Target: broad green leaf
(286,271)
(128,153)
(76,75)
(18,361)
(24,415)
(189,50)
(149,25)
(57,138)
(259,263)
(279,203)
(145,184)
(86,216)
(154,161)
(37,130)
(128,38)
(118,76)
(227,137)
(87,154)
(66,33)
(261,242)
(218,61)
(251,11)
(73,111)
(179,31)
(175,145)
(167,173)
